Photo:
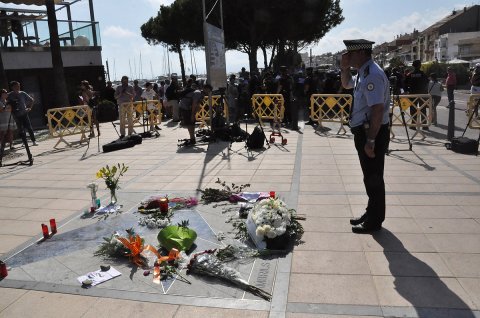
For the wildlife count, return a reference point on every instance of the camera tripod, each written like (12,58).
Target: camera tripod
(396,98)
(25,143)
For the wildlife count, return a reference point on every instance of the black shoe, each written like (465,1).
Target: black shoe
(157,128)
(359,220)
(365,228)
(122,136)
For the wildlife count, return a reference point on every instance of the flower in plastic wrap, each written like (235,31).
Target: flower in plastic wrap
(272,216)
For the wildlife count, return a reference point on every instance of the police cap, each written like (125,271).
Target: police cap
(356,45)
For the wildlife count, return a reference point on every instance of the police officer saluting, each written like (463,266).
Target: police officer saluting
(369,123)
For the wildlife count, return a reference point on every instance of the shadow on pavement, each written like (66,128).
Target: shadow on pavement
(418,283)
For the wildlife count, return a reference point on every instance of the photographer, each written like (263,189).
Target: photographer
(21,104)
(124,95)
(189,106)
(6,124)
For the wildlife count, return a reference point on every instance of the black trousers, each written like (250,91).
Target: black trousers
(23,122)
(372,169)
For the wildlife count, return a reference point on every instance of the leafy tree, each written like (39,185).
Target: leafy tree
(175,26)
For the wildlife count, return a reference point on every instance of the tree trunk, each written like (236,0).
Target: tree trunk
(272,57)
(60,98)
(252,59)
(178,48)
(3,75)
(281,60)
(264,50)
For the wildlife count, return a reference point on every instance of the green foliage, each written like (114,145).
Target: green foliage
(441,70)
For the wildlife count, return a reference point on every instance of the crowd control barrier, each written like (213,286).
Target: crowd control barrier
(268,107)
(203,114)
(68,121)
(417,111)
(147,111)
(332,108)
(473,104)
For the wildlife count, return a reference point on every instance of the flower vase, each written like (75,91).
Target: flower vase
(113,196)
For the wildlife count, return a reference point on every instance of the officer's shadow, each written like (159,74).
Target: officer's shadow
(418,283)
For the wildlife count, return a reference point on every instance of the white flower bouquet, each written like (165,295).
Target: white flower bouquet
(268,220)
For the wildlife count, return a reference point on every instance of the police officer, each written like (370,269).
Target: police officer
(284,87)
(417,83)
(369,123)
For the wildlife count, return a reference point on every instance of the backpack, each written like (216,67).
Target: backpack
(256,140)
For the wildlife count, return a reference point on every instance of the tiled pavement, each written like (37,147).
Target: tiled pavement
(424,263)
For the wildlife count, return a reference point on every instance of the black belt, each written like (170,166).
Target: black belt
(360,129)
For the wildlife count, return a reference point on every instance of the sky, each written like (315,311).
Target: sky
(124,47)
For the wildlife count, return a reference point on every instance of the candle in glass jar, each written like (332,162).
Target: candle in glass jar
(164,205)
(53,226)
(272,194)
(46,235)
(3,270)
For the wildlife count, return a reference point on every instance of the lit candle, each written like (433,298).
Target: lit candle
(272,194)
(164,205)
(45,231)
(53,226)
(3,270)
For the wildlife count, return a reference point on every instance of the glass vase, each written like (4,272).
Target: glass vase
(113,196)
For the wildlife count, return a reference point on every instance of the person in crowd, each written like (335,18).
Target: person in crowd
(369,120)
(284,87)
(7,122)
(435,89)
(149,95)
(416,82)
(475,80)
(171,93)
(232,98)
(399,81)
(87,97)
(124,95)
(138,91)
(310,87)
(21,104)
(108,93)
(189,106)
(451,84)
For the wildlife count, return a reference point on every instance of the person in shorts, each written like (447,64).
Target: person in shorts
(189,106)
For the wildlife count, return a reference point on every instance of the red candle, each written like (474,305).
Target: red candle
(3,270)
(272,194)
(164,205)
(53,226)
(46,235)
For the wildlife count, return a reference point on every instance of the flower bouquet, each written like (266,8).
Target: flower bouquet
(133,246)
(112,175)
(271,224)
(207,263)
(177,236)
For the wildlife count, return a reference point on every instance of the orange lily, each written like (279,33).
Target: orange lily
(135,245)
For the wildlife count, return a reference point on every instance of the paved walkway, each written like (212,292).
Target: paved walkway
(424,263)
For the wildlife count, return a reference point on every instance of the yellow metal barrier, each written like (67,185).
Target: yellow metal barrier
(334,108)
(148,109)
(472,106)
(203,115)
(417,110)
(268,106)
(68,121)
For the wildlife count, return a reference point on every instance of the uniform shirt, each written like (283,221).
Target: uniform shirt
(417,82)
(372,87)
(19,102)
